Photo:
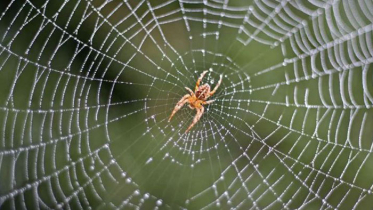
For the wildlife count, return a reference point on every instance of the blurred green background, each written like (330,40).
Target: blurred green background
(86,89)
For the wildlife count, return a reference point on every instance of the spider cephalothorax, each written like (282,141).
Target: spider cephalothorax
(197,99)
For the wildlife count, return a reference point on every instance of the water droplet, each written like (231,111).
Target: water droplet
(159,202)
(149,160)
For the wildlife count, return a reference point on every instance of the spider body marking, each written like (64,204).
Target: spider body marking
(196,99)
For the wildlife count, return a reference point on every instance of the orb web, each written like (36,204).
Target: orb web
(87,87)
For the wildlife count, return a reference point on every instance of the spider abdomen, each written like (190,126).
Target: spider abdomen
(203,91)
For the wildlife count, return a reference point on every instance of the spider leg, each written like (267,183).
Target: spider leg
(196,118)
(217,85)
(200,79)
(179,104)
(190,91)
(209,102)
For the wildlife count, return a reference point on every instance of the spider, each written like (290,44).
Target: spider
(196,99)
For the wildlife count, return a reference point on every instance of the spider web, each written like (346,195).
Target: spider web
(87,87)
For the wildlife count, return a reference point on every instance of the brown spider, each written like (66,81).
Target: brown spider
(197,99)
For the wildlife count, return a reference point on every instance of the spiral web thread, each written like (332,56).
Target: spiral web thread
(290,128)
